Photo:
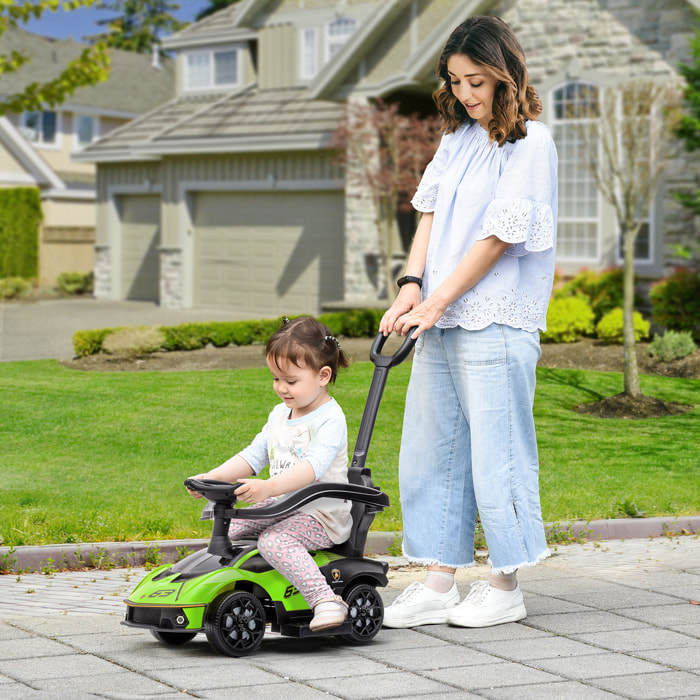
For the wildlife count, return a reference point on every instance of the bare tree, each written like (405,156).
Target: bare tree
(626,148)
(386,153)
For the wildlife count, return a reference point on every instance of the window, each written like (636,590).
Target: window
(85,128)
(338,31)
(308,54)
(41,127)
(207,69)
(576,105)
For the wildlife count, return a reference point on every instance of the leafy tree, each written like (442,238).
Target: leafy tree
(384,153)
(88,68)
(214,6)
(626,149)
(688,128)
(139,25)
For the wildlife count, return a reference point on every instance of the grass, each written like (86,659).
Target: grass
(90,456)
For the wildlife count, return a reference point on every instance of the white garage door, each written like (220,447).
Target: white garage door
(140,226)
(265,254)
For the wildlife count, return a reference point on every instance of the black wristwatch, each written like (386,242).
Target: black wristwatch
(406,279)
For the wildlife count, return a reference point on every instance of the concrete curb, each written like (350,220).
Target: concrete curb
(109,554)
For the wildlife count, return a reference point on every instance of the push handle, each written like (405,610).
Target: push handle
(382,365)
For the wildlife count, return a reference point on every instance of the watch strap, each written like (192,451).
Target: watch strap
(406,279)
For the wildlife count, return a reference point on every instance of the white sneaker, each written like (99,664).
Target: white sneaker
(419,605)
(485,606)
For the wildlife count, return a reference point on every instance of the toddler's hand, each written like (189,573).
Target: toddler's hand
(196,494)
(253,490)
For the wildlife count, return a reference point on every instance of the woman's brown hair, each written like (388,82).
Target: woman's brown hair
(489,42)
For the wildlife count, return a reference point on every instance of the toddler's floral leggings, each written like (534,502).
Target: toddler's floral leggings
(285,542)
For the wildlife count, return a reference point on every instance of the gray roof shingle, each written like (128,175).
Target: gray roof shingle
(236,119)
(134,86)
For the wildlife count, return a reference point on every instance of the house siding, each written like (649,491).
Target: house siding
(277,57)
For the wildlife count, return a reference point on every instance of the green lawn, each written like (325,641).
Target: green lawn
(102,456)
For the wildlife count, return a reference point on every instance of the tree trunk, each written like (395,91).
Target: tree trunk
(630,369)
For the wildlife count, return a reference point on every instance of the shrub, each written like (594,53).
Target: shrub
(675,302)
(135,340)
(609,328)
(335,321)
(568,319)
(186,336)
(90,342)
(672,345)
(13,287)
(603,290)
(75,282)
(192,336)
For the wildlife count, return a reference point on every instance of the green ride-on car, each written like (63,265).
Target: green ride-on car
(229,592)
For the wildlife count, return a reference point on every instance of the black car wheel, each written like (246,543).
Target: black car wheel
(365,613)
(235,624)
(174,639)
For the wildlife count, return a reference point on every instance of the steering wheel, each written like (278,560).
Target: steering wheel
(213,490)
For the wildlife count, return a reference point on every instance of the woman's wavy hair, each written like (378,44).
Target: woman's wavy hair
(489,42)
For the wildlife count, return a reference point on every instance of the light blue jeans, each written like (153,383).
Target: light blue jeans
(469,446)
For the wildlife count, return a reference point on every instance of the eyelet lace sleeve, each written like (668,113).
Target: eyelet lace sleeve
(528,225)
(426,195)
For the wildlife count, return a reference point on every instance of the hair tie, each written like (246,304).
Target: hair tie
(285,320)
(334,339)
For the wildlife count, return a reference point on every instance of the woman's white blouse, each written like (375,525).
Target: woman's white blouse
(477,190)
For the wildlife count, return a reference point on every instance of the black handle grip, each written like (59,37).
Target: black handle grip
(375,354)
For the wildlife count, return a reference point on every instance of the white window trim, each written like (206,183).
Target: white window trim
(210,84)
(312,33)
(77,146)
(57,145)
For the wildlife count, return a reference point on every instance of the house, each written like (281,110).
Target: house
(228,196)
(36,148)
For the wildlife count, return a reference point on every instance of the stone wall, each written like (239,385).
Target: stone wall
(171,278)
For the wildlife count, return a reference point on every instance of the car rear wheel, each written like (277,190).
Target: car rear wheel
(365,613)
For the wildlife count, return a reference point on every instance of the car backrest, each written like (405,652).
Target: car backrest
(362,517)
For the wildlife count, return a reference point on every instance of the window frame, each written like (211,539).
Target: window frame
(211,69)
(77,145)
(39,141)
(597,219)
(332,40)
(308,42)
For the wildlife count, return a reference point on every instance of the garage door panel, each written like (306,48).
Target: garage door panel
(282,252)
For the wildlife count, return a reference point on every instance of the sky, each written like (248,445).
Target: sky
(79,23)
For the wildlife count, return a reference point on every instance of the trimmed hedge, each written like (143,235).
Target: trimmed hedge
(20,216)
(356,323)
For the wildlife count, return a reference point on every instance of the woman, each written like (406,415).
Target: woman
(476,289)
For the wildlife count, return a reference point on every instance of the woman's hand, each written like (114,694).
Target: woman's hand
(254,490)
(407,298)
(421,317)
